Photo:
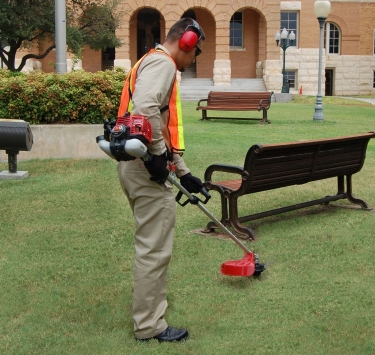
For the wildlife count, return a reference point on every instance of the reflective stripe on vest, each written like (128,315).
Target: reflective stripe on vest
(175,128)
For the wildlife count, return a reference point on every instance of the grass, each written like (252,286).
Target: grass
(66,249)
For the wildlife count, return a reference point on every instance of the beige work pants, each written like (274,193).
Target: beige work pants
(153,207)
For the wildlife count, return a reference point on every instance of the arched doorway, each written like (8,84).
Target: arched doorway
(191,70)
(246,42)
(148,30)
(203,66)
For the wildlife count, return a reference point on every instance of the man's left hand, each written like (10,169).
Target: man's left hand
(191,183)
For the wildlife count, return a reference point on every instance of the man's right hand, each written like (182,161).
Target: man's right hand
(157,167)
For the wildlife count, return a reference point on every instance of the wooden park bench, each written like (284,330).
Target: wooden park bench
(273,166)
(236,101)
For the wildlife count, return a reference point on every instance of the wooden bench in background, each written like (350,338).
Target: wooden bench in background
(236,101)
(273,166)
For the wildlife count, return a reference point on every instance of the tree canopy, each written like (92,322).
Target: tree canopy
(27,23)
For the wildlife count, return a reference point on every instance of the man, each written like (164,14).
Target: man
(151,91)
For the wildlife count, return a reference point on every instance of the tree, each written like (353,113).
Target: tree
(27,23)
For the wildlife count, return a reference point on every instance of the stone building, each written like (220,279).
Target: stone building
(241,42)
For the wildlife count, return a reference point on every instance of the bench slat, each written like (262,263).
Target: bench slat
(283,165)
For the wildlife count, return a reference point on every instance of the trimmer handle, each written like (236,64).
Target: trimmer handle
(192,198)
(206,194)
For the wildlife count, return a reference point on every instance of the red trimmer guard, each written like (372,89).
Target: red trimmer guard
(243,267)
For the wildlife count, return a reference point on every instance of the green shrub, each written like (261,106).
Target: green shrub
(77,97)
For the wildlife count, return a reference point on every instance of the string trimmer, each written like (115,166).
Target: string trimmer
(126,139)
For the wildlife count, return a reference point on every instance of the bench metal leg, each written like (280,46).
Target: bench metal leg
(211,226)
(264,119)
(231,221)
(204,115)
(235,223)
(350,196)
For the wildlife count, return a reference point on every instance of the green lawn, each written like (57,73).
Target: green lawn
(66,253)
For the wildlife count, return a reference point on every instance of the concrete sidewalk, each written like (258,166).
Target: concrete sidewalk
(369,100)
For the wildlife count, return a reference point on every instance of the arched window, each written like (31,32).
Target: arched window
(236,31)
(332,38)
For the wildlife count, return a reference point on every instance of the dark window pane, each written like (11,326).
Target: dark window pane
(237,42)
(236,33)
(291,79)
(288,20)
(284,16)
(237,16)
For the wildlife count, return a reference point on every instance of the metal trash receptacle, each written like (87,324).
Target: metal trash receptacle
(15,136)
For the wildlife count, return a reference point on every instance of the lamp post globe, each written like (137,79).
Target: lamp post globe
(283,45)
(322,8)
(277,37)
(284,34)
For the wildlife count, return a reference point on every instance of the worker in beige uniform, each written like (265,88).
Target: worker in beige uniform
(151,90)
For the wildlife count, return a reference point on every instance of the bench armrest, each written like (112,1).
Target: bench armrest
(234,169)
(199,102)
(264,102)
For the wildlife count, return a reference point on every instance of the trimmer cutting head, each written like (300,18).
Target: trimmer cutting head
(247,266)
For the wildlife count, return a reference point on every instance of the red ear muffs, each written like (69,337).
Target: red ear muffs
(188,41)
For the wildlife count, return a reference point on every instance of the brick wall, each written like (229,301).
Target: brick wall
(49,61)
(308,26)
(367,29)
(91,60)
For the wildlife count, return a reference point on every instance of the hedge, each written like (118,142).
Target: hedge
(76,97)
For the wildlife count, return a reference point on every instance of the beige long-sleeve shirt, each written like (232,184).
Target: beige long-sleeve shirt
(153,87)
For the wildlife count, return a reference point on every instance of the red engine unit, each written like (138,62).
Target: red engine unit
(138,126)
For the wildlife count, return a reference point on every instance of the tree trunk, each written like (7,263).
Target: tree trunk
(11,62)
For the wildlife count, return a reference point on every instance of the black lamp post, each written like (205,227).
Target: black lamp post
(321,9)
(283,36)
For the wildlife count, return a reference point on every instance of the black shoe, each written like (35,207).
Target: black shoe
(170,334)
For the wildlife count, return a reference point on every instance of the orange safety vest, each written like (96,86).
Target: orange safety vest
(176,132)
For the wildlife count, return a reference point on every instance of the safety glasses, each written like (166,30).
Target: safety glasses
(195,27)
(198,51)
